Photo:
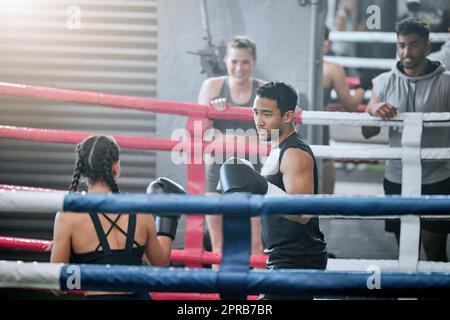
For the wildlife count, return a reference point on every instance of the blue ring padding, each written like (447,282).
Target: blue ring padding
(166,203)
(131,278)
(235,257)
(245,204)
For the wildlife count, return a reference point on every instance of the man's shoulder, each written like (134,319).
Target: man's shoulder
(446,76)
(381,81)
(296,145)
(295,139)
(297,151)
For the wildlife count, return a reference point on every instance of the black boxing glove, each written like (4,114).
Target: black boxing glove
(166,225)
(238,175)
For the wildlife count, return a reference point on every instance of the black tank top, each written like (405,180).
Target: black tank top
(128,256)
(290,244)
(222,125)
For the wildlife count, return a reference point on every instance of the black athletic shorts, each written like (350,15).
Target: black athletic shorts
(438,188)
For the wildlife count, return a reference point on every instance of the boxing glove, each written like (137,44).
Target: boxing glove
(166,225)
(239,175)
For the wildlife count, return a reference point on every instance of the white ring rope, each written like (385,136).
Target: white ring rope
(375,153)
(379,37)
(363,63)
(384,265)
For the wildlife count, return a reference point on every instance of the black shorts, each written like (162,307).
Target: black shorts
(322,264)
(438,188)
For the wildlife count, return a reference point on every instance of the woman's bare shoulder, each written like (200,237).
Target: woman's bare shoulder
(214,81)
(68,219)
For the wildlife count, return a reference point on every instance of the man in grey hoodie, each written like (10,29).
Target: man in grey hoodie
(415,84)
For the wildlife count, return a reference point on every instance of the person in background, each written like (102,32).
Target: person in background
(443,55)
(237,88)
(415,84)
(334,77)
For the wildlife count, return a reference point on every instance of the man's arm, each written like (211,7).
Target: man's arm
(350,102)
(382,110)
(297,168)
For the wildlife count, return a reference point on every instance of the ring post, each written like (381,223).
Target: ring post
(233,274)
(408,256)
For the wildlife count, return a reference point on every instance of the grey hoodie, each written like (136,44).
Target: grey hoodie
(426,93)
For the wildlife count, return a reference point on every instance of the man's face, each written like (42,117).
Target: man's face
(267,117)
(412,50)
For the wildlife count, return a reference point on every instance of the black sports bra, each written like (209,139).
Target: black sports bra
(128,256)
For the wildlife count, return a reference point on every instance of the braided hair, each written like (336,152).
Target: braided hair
(95,158)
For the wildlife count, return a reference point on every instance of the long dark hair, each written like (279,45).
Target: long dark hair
(95,158)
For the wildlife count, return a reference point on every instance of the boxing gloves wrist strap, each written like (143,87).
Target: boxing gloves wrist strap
(273,190)
(167,226)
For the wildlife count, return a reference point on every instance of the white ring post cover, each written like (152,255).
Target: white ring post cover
(17,274)
(31,201)
(411,185)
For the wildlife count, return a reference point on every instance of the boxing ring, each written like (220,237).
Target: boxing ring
(405,276)
(234,280)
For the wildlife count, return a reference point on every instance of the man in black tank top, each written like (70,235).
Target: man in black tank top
(291,241)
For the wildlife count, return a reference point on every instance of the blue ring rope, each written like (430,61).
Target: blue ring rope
(132,278)
(234,280)
(240,204)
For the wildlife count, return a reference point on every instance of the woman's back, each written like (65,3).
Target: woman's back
(85,238)
(110,238)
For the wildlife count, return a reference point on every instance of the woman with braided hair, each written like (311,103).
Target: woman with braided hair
(110,238)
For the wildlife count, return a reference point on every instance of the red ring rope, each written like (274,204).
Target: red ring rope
(125,102)
(176,256)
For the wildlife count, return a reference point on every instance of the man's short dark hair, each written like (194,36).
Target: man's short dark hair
(412,26)
(284,94)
